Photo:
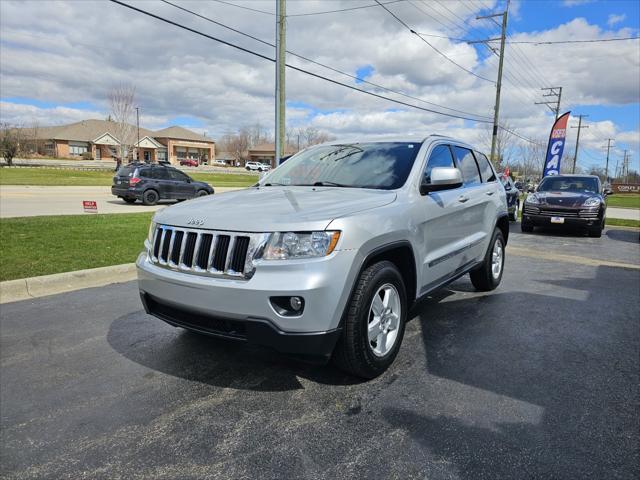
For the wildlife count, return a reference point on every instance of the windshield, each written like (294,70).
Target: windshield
(361,165)
(569,184)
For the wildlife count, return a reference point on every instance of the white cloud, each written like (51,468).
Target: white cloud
(68,52)
(573,3)
(614,19)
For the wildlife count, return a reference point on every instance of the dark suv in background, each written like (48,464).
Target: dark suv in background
(153,182)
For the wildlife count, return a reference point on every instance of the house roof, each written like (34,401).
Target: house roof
(271,148)
(89,130)
(181,133)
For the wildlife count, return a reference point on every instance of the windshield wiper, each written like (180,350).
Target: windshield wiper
(272,184)
(342,148)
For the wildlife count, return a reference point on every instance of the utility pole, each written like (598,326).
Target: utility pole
(579,127)
(554,105)
(606,168)
(496,109)
(281,50)
(138,128)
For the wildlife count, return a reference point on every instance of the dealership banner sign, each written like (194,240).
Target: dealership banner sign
(556,145)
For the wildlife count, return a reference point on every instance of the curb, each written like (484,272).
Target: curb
(34,287)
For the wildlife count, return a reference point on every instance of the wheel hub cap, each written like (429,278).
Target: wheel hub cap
(496,259)
(384,319)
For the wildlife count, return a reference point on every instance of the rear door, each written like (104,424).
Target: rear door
(475,201)
(163,182)
(494,202)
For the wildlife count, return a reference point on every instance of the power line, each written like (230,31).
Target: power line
(594,40)
(434,48)
(245,8)
(355,77)
(342,9)
(292,67)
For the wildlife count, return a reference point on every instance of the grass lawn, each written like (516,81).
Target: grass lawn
(68,177)
(620,222)
(624,200)
(33,246)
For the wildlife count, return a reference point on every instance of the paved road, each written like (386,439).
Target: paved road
(624,213)
(29,201)
(539,379)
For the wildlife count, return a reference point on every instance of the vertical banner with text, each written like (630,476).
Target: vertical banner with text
(556,145)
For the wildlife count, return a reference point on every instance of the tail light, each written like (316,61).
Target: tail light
(134,180)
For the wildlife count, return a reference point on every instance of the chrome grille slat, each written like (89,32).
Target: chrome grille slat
(205,252)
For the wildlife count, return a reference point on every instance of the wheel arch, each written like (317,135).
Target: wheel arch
(401,254)
(503,224)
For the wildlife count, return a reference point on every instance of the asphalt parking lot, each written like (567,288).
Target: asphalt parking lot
(539,378)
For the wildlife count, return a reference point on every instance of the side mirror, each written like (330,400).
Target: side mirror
(530,190)
(442,178)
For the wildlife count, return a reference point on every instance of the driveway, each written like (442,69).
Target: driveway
(624,213)
(29,201)
(538,379)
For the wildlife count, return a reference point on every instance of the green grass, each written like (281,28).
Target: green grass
(631,200)
(619,222)
(33,246)
(69,177)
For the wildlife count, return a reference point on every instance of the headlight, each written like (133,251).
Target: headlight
(533,200)
(591,202)
(290,245)
(152,229)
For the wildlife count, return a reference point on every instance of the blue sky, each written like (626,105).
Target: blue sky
(51,72)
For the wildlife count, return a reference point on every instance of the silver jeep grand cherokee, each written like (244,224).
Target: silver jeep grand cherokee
(324,257)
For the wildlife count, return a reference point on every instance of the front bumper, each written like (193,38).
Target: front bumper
(544,220)
(241,309)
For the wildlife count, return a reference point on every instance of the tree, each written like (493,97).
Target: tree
(10,137)
(122,104)
(505,145)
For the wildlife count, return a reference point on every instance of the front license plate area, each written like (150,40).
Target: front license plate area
(557,220)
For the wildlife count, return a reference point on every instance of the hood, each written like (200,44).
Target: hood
(269,209)
(564,199)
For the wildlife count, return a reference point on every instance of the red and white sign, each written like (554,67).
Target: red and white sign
(90,206)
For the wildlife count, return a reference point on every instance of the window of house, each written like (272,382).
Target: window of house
(468,166)
(49,146)
(77,149)
(440,157)
(488,175)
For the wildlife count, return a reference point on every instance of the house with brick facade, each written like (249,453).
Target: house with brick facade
(98,139)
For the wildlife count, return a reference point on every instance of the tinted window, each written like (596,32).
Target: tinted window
(160,174)
(569,184)
(145,173)
(440,157)
(177,175)
(126,171)
(383,165)
(468,166)
(485,168)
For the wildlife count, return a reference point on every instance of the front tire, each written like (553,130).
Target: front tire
(488,275)
(150,197)
(373,323)
(201,193)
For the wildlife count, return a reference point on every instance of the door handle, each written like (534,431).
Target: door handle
(463,198)
(490,193)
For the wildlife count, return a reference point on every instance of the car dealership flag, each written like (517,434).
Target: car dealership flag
(556,145)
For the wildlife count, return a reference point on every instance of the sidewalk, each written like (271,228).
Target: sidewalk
(623,213)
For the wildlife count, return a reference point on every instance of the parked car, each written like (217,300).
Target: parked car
(513,197)
(566,200)
(220,163)
(188,162)
(257,167)
(153,182)
(337,253)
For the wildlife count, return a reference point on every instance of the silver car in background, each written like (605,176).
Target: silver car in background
(324,257)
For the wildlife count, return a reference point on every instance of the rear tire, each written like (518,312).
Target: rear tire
(526,227)
(488,275)
(373,322)
(129,200)
(150,197)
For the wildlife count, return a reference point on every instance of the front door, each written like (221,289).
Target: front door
(183,188)
(441,225)
(98,152)
(147,156)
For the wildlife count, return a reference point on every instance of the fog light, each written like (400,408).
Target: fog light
(296,303)
(288,306)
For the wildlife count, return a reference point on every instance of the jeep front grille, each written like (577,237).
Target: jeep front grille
(205,252)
